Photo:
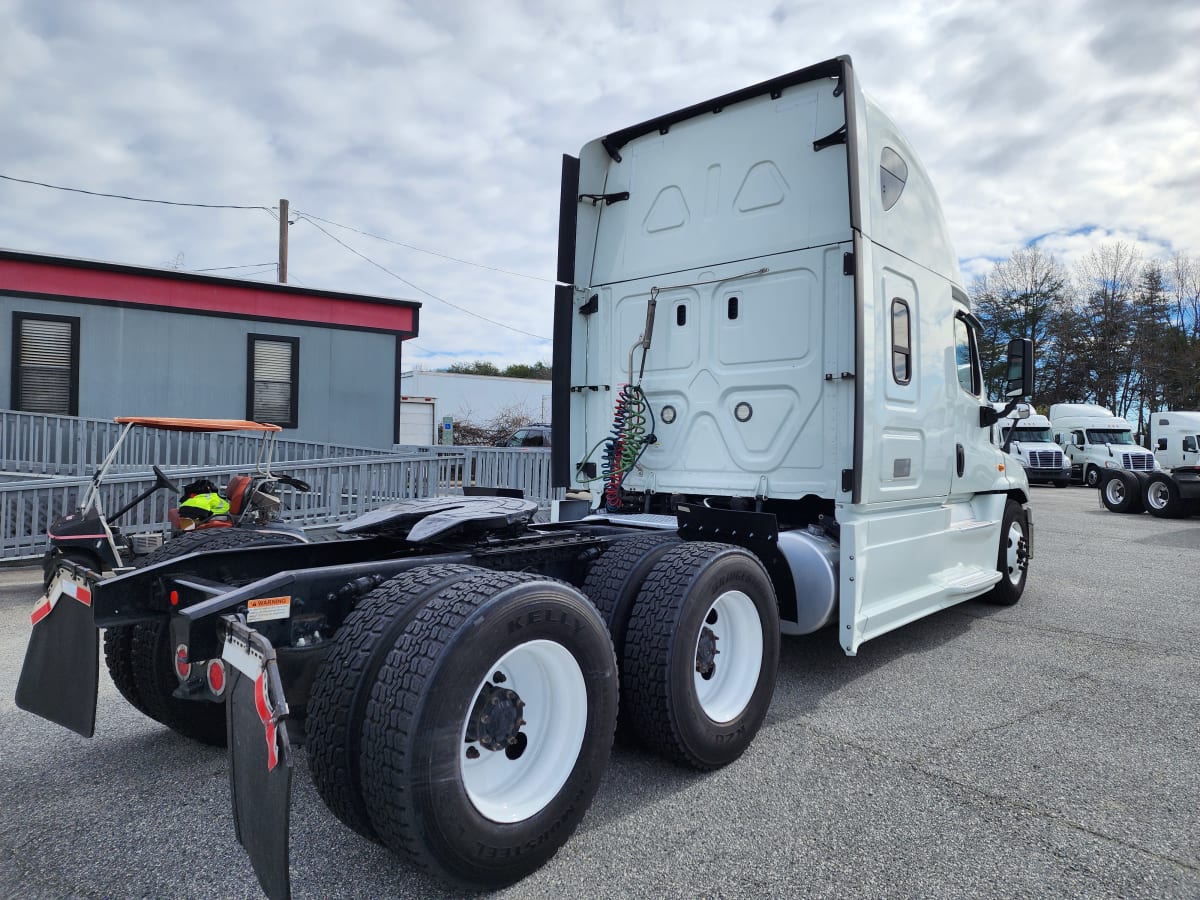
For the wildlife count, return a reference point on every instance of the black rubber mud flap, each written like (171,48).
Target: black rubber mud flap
(260,757)
(61,669)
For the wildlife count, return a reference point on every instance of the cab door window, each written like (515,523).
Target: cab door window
(966,357)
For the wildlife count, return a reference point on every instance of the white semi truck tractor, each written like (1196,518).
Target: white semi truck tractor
(1096,441)
(1027,436)
(1172,491)
(766,379)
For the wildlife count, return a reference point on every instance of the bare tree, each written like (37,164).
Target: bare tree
(1020,298)
(1107,279)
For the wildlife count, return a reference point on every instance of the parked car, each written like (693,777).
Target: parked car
(536,435)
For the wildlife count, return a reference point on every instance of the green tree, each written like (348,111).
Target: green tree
(479,367)
(524,370)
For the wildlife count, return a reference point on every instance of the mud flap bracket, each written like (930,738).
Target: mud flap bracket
(260,756)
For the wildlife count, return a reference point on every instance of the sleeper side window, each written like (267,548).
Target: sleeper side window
(901,342)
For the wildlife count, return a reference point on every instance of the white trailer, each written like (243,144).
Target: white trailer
(479,399)
(1097,441)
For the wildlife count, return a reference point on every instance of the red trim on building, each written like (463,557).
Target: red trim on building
(199,294)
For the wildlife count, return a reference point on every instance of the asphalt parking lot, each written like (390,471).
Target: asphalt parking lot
(1047,749)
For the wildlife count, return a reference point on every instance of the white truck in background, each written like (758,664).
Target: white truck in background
(1175,439)
(1029,438)
(1172,492)
(1096,441)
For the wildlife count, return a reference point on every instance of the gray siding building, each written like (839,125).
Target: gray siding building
(101,340)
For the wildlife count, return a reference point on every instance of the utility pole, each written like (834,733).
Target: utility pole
(283,240)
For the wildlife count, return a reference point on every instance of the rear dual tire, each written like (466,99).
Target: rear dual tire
(1161,497)
(141,660)
(701,654)
(484,723)
(1121,492)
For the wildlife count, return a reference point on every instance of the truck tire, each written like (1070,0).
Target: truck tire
(1091,476)
(343,683)
(489,728)
(155,682)
(140,658)
(1013,558)
(1121,492)
(1161,497)
(701,654)
(614,580)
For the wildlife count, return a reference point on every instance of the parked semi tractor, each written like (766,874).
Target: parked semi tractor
(1173,490)
(1026,435)
(766,378)
(1095,441)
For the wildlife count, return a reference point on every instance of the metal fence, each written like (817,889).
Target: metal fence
(342,489)
(43,444)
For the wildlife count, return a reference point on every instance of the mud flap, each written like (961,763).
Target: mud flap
(62,662)
(260,757)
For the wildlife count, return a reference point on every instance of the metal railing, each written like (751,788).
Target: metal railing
(342,489)
(43,444)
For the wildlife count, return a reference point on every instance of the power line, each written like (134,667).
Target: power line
(456,259)
(227,268)
(311,219)
(59,187)
(402,280)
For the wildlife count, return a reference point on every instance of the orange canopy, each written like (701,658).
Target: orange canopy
(169,424)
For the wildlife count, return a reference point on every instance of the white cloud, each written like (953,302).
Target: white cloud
(443,126)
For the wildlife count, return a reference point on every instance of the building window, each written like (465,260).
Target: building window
(901,342)
(45,364)
(273,380)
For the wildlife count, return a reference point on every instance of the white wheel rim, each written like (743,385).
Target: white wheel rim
(1116,491)
(550,683)
(1156,495)
(735,625)
(1015,535)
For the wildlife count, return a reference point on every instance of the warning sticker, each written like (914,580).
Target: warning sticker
(265,608)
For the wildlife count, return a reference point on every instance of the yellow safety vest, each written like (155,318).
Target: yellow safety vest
(212,504)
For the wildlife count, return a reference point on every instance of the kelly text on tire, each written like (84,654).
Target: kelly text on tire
(701,654)
(333,740)
(489,728)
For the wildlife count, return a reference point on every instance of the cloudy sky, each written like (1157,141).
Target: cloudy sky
(440,127)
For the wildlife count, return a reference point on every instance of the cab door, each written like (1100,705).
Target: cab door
(974,465)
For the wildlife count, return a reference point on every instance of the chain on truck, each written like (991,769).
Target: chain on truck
(766,378)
